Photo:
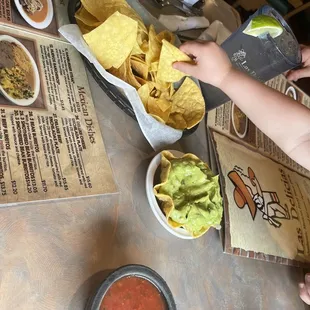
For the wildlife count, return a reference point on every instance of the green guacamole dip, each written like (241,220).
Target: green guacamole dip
(195,193)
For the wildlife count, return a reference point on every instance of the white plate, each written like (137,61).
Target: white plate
(41,25)
(292,90)
(149,184)
(23,102)
(243,134)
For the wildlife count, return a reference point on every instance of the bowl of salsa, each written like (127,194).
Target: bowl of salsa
(133,287)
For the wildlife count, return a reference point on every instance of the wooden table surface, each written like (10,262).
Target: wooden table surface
(54,254)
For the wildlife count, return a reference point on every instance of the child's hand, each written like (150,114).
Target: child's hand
(212,63)
(304,289)
(295,75)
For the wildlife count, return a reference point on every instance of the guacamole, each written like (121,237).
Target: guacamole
(195,193)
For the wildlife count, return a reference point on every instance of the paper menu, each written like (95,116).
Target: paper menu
(51,146)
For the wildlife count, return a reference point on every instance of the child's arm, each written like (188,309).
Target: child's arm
(284,120)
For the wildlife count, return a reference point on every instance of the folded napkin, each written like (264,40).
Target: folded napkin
(217,31)
(180,23)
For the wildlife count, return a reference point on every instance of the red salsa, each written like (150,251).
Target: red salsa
(133,293)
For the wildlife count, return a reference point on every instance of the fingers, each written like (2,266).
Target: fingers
(290,75)
(295,75)
(185,67)
(191,48)
(196,48)
(303,293)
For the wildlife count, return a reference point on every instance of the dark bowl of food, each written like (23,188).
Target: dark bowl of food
(132,287)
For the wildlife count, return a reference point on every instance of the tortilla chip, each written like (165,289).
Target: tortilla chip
(84,28)
(141,46)
(152,76)
(154,47)
(189,102)
(144,94)
(170,54)
(166,35)
(137,49)
(103,9)
(155,93)
(138,57)
(140,80)
(121,72)
(154,66)
(140,67)
(158,118)
(86,18)
(165,94)
(124,72)
(162,85)
(113,41)
(171,90)
(159,107)
(159,87)
(177,121)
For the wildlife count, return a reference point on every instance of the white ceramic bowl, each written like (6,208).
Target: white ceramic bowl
(239,134)
(149,184)
(39,25)
(23,102)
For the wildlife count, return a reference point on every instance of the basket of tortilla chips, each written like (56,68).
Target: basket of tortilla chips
(143,58)
(189,194)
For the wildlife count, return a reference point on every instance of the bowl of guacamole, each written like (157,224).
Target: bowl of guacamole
(188,195)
